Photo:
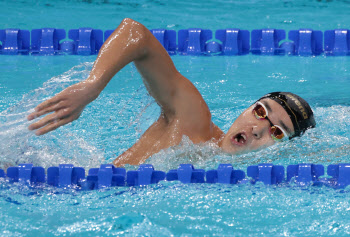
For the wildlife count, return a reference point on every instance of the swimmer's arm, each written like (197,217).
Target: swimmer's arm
(131,41)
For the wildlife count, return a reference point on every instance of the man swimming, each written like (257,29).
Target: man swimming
(274,117)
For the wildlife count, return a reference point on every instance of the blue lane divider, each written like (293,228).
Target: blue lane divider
(65,175)
(14,41)
(337,42)
(340,174)
(305,173)
(194,41)
(68,176)
(2,173)
(266,173)
(307,42)
(87,41)
(26,174)
(266,41)
(145,175)
(186,173)
(106,176)
(234,41)
(45,41)
(213,47)
(225,174)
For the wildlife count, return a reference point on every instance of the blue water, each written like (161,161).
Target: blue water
(124,111)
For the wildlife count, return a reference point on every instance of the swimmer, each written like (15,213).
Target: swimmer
(275,117)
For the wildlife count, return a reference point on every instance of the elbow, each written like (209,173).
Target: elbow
(137,34)
(128,21)
(134,26)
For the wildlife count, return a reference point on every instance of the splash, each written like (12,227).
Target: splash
(22,146)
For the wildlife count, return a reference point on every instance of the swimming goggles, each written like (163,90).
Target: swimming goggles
(260,112)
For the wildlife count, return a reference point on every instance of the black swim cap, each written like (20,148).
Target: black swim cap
(298,110)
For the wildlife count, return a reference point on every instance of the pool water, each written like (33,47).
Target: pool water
(124,110)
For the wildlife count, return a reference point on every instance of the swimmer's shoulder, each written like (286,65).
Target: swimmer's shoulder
(218,134)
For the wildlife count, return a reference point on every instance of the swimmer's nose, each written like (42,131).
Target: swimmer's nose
(256,132)
(259,130)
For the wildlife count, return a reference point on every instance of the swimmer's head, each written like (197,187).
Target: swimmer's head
(299,111)
(274,117)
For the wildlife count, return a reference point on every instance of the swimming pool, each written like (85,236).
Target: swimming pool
(124,110)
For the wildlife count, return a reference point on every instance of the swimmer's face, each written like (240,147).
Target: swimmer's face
(248,133)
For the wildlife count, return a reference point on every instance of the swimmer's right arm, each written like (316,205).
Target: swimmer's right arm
(130,42)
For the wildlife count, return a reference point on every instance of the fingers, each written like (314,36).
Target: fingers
(48,119)
(45,110)
(47,103)
(52,126)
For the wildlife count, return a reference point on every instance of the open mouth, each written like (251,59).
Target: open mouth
(239,139)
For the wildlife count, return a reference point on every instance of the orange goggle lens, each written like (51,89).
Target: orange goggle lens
(259,112)
(276,133)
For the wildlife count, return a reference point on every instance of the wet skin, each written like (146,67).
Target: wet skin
(183,109)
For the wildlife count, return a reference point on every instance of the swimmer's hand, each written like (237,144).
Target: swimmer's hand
(66,107)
